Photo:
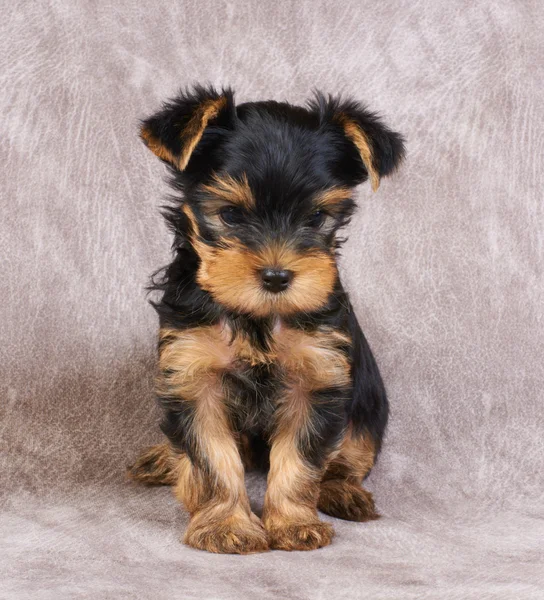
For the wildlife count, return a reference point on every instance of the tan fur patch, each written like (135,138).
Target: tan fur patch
(206,253)
(313,360)
(354,459)
(191,359)
(228,189)
(231,275)
(192,219)
(363,144)
(332,197)
(191,488)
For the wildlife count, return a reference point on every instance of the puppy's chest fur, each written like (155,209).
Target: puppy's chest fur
(254,377)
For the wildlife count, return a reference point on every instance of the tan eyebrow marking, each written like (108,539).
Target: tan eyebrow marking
(332,197)
(232,190)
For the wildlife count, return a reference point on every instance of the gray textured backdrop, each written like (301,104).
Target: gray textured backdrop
(444,266)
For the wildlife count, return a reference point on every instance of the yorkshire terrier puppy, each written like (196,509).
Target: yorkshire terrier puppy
(261,359)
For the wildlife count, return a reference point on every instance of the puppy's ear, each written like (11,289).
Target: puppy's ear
(174,133)
(378,149)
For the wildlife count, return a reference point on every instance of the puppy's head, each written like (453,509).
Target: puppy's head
(267,186)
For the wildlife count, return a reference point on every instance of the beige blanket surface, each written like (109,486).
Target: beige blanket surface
(444,265)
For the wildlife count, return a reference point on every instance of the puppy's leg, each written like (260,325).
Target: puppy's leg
(341,494)
(309,421)
(290,514)
(211,485)
(296,469)
(210,473)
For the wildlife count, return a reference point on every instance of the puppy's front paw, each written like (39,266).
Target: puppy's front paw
(300,536)
(233,535)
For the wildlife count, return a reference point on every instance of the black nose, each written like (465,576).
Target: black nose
(276,280)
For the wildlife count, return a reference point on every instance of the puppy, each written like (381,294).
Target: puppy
(262,362)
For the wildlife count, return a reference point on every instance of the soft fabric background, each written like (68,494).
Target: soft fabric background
(444,265)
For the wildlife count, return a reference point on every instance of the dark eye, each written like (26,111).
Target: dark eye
(316,219)
(231,215)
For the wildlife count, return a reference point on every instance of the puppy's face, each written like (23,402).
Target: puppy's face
(265,246)
(266,188)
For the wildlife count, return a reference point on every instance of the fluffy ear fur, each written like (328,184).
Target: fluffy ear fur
(379,149)
(174,133)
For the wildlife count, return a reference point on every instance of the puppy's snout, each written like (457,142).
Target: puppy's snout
(276,280)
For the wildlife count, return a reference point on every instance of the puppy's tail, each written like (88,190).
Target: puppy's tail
(158,465)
